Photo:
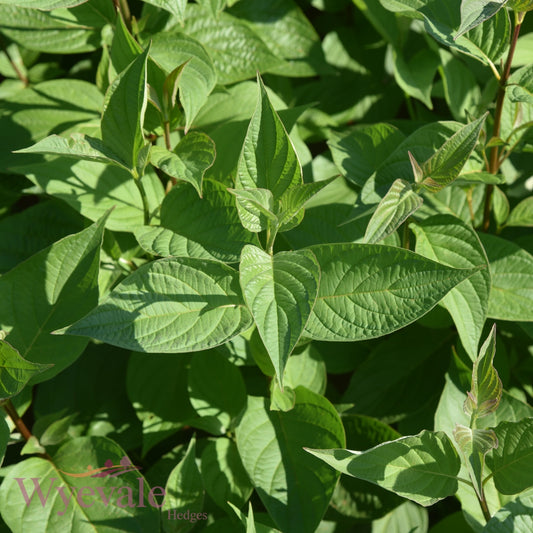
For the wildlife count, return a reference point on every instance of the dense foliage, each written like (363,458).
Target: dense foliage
(249,245)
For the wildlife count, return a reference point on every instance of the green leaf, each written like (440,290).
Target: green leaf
(354,497)
(60,103)
(522,214)
(59,284)
(500,206)
(514,517)
(415,76)
(443,167)
(176,7)
(93,500)
(422,468)
(487,42)
(461,89)
(157,389)
(306,369)
(218,35)
(189,161)
(223,474)
(77,146)
(45,5)
(367,290)
(361,152)
(206,228)
(211,375)
(299,46)
(198,79)
(280,292)
(281,400)
(184,491)
(406,517)
(61,31)
(475,444)
(15,371)
(475,12)
(93,188)
(468,302)
(295,488)
(4,438)
(268,159)
(511,267)
(520,85)
(291,205)
(170,306)
(389,382)
(397,205)
(512,462)
(486,390)
(124,108)
(256,208)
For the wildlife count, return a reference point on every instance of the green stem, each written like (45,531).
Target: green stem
(10,409)
(124,8)
(270,238)
(168,144)
(146,208)
(20,75)
(484,507)
(405,235)
(494,161)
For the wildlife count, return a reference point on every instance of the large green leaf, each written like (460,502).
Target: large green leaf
(219,35)
(448,240)
(184,492)
(124,108)
(77,146)
(369,290)
(65,494)
(287,32)
(487,42)
(57,103)
(198,78)
(511,463)
(280,292)
(15,371)
(210,377)
(294,487)
(514,517)
(422,468)
(511,267)
(93,188)
(406,517)
(176,7)
(61,31)
(207,228)
(397,205)
(268,159)
(475,12)
(48,291)
(223,474)
(359,153)
(169,306)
